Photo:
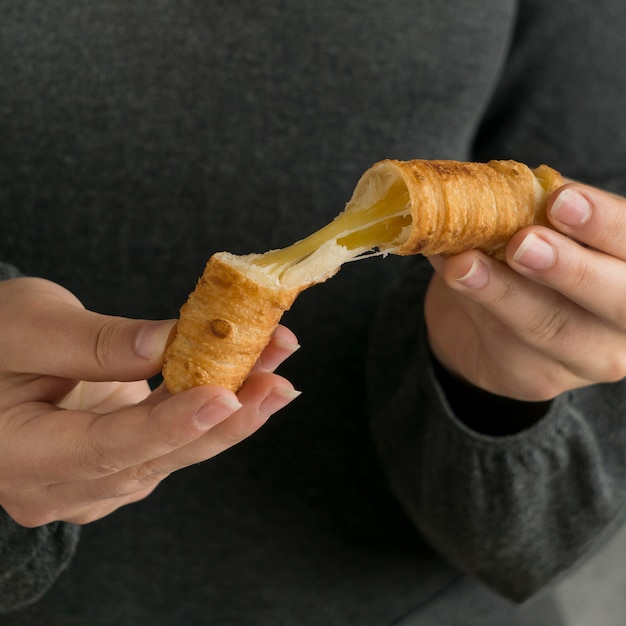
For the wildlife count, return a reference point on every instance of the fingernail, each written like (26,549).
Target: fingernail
(277,399)
(288,347)
(215,411)
(152,339)
(535,253)
(476,277)
(571,208)
(285,339)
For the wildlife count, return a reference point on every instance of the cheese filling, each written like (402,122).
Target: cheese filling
(374,222)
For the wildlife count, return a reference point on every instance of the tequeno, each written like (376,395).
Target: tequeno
(398,207)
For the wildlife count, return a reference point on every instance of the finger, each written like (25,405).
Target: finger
(95,511)
(592,279)
(594,217)
(282,345)
(261,396)
(539,317)
(17,389)
(471,341)
(69,446)
(58,503)
(52,334)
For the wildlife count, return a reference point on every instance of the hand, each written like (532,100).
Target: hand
(553,318)
(75,444)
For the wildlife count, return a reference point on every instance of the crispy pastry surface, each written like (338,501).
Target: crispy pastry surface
(223,327)
(458,206)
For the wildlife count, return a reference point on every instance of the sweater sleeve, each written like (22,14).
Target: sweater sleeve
(8,271)
(31,559)
(520,509)
(515,511)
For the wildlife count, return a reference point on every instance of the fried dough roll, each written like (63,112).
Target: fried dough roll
(458,206)
(398,207)
(226,322)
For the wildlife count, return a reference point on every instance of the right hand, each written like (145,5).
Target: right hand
(80,432)
(550,319)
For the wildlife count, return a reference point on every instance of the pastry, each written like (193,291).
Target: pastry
(398,207)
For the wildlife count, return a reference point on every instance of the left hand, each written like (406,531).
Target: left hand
(80,432)
(553,318)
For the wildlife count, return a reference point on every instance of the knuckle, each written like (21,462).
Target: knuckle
(30,516)
(615,367)
(501,296)
(132,488)
(173,440)
(242,429)
(145,476)
(233,438)
(550,325)
(104,348)
(619,315)
(97,461)
(581,276)
(612,234)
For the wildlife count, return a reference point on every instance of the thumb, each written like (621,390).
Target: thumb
(46,331)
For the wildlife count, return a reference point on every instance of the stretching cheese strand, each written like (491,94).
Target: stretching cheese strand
(357,231)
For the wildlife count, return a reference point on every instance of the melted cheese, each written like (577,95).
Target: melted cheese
(360,229)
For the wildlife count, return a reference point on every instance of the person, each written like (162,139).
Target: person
(457,448)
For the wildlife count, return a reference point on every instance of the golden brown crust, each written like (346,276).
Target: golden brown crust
(457,206)
(223,327)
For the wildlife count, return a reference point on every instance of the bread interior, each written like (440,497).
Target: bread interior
(377,220)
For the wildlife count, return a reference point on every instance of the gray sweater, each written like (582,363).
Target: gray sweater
(140,137)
